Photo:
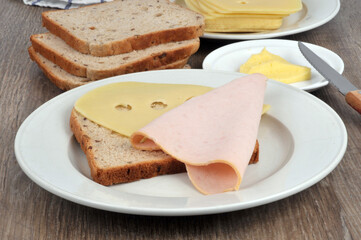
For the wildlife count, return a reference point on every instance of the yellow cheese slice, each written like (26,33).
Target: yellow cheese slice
(126,107)
(195,6)
(242,24)
(265,108)
(252,6)
(275,67)
(243,16)
(235,22)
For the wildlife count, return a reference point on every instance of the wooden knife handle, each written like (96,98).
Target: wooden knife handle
(353,99)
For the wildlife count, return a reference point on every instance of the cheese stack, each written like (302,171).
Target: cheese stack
(244,15)
(104,40)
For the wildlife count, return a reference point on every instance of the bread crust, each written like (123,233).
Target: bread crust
(67,84)
(121,174)
(60,31)
(62,83)
(136,42)
(131,172)
(53,56)
(150,62)
(255,155)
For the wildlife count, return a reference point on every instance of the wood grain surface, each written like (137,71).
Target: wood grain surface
(331,209)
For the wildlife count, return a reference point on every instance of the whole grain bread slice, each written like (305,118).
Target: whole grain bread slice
(95,68)
(66,81)
(112,159)
(123,25)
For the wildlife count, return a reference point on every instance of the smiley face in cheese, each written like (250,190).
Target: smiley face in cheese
(125,107)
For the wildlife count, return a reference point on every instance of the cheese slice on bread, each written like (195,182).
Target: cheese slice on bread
(113,160)
(110,155)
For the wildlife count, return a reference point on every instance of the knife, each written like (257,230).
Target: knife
(351,93)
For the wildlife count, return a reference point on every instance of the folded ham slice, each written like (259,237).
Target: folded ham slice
(213,134)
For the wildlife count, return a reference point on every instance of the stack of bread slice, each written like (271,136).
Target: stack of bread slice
(119,37)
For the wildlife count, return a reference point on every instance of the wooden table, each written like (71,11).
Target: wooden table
(331,209)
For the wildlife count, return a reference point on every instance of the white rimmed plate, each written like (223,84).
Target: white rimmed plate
(230,57)
(313,15)
(301,140)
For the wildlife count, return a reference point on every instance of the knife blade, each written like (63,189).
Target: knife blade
(351,92)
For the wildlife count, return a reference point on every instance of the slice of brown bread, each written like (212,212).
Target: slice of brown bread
(94,68)
(112,159)
(66,81)
(123,26)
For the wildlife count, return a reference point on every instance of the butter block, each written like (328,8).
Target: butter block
(275,67)
(283,72)
(257,59)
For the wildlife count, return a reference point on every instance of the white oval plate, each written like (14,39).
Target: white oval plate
(232,56)
(301,141)
(313,14)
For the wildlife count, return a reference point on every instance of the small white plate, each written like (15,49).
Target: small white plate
(301,141)
(314,14)
(232,56)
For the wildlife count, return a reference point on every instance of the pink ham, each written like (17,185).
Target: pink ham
(213,134)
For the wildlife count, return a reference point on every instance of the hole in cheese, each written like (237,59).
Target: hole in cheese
(108,105)
(158,105)
(123,107)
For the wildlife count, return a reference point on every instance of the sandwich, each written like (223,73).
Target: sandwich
(210,133)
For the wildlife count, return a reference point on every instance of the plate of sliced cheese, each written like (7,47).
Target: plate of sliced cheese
(278,59)
(301,140)
(256,19)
